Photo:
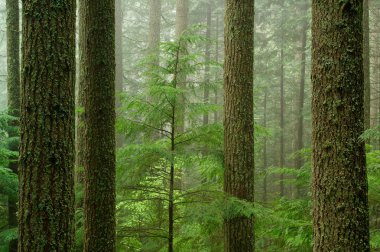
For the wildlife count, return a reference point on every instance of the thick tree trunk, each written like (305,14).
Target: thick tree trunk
(238,120)
(13,85)
(97,48)
(340,204)
(46,206)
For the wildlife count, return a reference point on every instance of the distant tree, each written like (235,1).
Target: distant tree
(366,66)
(46,204)
(181,24)
(13,84)
(238,120)
(340,203)
(97,50)
(154,29)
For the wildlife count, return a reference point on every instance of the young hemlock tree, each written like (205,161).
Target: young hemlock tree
(159,153)
(238,120)
(46,204)
(13,86)
(97,78)
(340,187)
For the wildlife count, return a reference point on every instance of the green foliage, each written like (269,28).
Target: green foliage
(8,179)
(149,123)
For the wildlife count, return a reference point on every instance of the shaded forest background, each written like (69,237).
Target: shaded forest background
(282,99)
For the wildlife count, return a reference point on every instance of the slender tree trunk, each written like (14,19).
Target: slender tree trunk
(216,119)
(206,94)
(265,156)
(282,123)
(97,48)
(301,99)
(13,85)
(182,12)
(340,204)
(154,29)
(282,105)
(46,182)
(119,73)
(238,117)
(366,66)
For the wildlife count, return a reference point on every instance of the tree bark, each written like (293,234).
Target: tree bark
(46,206)
(340,204)
(13,85)
(238,120)
(97,48)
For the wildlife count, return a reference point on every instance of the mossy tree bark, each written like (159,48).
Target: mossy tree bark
(340,204)
(13,85)
(238,120)
(97,48)
(46,206)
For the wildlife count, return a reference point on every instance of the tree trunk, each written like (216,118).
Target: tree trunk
(301,99)
(13,85)
(206,94)
(265,156)
(154,30)
(119,72)
(340,204)
(182,12)
(46,206)
(97,48)
(282,104)
(216,100)
(238,117)
(366,66)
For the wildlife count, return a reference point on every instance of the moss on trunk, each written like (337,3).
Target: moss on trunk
(340,209)
(46,206)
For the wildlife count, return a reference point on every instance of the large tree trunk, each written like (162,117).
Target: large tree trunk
(340,204)
(97,48)
(13,85)
(238,120)
(46,206)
